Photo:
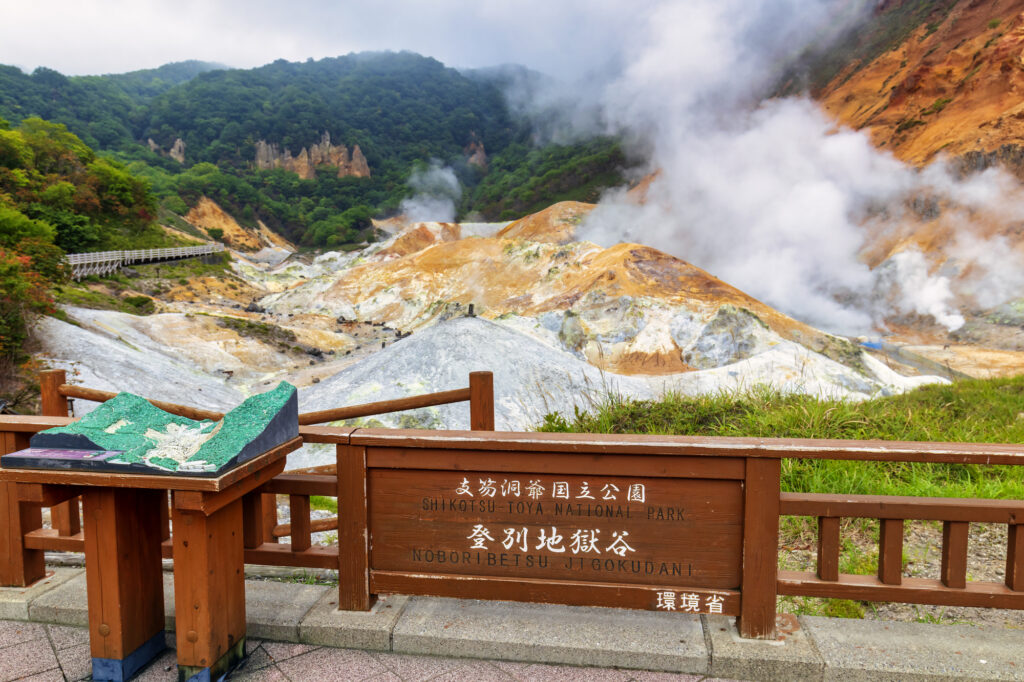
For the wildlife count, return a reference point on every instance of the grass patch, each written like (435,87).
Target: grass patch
(970,411)
(268,333)
(909,123)
(323,503)
(936,106)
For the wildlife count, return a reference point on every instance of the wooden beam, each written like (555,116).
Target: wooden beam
(298,509)
(303,484)
(98,396)
(910,591)
(760,549)
(315,526)
(481,401)
(890,551)
(828,547)
(1015,557)
(954,554)
(901,507)
(20,565)
(385,406)
(353,530)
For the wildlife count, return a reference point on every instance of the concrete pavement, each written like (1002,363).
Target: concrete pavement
(296,633)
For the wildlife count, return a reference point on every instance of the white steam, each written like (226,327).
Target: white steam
(772,196)
(437,193)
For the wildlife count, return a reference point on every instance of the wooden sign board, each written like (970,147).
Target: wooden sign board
(657,542)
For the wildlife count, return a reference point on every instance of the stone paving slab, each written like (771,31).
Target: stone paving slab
(855,650)
(325,625)
(14,601)
(547,633)
(422,638)
(791,656)
(64,604)
(274,610)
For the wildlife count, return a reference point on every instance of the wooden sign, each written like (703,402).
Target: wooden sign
(678,540)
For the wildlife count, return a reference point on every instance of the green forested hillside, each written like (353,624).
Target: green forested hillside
(57,195)
(402,109)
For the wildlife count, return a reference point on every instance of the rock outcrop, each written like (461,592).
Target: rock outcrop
(176,152)
(207,215)
(952,87)
(304,164)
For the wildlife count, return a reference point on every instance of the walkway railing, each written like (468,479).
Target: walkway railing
(755,462)
(23,539)
(106,262)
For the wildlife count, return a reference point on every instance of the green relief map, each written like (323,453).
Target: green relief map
(136,436)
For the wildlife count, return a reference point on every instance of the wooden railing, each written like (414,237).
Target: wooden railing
(950,588)
(106,262)
(23,539)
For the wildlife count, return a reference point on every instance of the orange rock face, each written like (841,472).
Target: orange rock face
(207,215)
(556,224)
(954,90)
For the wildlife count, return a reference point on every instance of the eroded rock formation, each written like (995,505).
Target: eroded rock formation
(304,164)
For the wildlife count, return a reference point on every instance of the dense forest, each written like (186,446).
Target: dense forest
(57,195)
(401,109)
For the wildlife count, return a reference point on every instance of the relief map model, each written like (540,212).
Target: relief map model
(128,434)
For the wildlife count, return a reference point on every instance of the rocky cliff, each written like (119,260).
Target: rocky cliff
(304,164)
(953,87)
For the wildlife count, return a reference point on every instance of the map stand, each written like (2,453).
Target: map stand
(122,557)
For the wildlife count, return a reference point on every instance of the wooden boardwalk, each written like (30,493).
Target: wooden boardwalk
(106,262)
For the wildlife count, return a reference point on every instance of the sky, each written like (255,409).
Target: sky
(79,37)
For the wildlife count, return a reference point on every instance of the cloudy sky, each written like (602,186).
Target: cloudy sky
(77,37)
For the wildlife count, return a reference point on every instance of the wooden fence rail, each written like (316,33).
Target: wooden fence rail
(406,459)
(951,588)
(262,529)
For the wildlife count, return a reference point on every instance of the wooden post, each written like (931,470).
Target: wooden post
(64,517)
(890,551)
(353,531)
(252,519)
(269,517)
(828,547)
(954,553)
(53,404)
(1015,557)
(298,510)
(19,567)
(209,590)
(481,401)
(760,548)
(124,582)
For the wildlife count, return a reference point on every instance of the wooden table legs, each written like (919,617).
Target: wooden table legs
(209,590)
(123,578)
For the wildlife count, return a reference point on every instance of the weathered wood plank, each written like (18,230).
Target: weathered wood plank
(556,463)
(481,401)
(890,551)
(902,507)
(954,554)
(576,593)
(760,548)
(209,583)
(124,583)
(353,530)
(828,547)
(910,591)
(298,510)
